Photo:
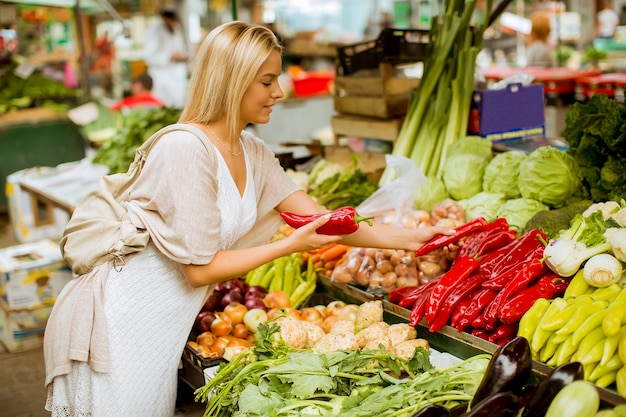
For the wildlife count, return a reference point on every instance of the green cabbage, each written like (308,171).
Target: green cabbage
(483,204)
(502,172)
(550,176)
(465,165)
(519,211)
(433,191)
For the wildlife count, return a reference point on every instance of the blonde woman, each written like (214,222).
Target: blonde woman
(539,52)
(210,215)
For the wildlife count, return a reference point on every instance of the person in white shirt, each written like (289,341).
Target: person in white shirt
(166,55)
(607,20)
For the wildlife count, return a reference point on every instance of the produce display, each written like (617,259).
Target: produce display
(362,367)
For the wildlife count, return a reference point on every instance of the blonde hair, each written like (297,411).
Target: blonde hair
(227,62)
(540,30)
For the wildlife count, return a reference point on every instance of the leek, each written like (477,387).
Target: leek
(439,107)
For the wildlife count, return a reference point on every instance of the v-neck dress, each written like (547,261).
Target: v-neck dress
(150,309)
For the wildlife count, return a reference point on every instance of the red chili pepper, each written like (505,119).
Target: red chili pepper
(394,296)
(481,333)
(459,292)
(548,286)
(495,241)
(522,247)
(503,331)
(461,306)
(475,308)
(408,300)
(474,240)
(496,282)
(528,272)
(440,241)
(446,284)
(419,307)
(343,221)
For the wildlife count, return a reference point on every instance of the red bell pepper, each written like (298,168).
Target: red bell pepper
(408,300)
(548,286)
(445,285)
(441,241)
(343,221)
(475,308)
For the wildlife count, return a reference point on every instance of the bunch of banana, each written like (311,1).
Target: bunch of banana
(586,325)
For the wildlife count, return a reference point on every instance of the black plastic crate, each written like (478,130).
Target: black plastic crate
(395,46)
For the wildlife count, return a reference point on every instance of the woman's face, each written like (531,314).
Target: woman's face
(263,93)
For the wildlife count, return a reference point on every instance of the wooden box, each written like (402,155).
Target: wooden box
(383,96)
(366,127)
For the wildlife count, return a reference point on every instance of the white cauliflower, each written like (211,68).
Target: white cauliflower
(343,326)
(332,342)
(406,349)
(369,313)
(314,333)
(292,332)
(399,332)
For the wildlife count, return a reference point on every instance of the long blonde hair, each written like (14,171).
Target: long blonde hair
(227,62)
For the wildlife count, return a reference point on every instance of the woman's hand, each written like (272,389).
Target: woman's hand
(306,238)
(420,235)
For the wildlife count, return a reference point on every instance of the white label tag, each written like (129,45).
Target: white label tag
(24,70)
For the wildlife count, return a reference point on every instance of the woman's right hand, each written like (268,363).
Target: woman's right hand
(306,237)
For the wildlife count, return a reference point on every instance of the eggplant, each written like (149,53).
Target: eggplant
(459,409)
(500,404)
(508,370)
(551,385)
(432,410)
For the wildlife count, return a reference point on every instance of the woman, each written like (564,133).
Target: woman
(540,53)
(209,220)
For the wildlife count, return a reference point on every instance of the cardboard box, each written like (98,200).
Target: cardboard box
(512,113)
(32,274)
(22,330)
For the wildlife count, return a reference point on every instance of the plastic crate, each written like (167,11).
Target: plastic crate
(396,46)
(312,85)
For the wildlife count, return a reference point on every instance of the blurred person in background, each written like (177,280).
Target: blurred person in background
(539,52)
(607,21)
(140,95)
(166,55)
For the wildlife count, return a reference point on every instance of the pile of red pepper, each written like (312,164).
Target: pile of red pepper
(494,279)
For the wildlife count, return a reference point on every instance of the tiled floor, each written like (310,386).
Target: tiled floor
(22,392)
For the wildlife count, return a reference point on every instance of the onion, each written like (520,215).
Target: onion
(204,320)
(255,302)
(235,311)
(212,303)
(253,318)
(233,296)
(223,287)
(277,298)
(221,326)
(230,352)
(255,291)
(239,284)
(240,330)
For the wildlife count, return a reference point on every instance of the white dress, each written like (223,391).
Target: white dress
(150,309)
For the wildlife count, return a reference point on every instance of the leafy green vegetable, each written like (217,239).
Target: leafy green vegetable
(519,211)
(551,176)
(502,172)
(483,204)
(348,187)
(432,192)
(596,134)
(118,151)
(465,166)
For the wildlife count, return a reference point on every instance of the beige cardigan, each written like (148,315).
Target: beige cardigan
(77,329)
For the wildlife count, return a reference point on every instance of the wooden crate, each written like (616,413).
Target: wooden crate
(383,96)
(366,127)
